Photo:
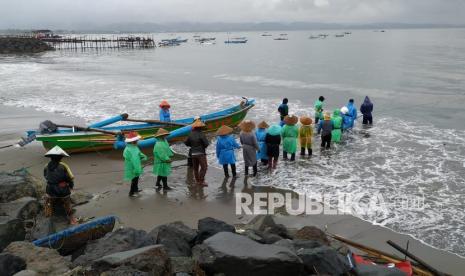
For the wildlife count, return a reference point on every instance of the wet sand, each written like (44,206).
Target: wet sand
(101,174)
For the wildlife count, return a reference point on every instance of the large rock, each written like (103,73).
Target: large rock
(323,260)
(176,237)
(182,265)
(80,198)
(19,184)
(11,229)
(121,240)
(311,233)
(124,271)
(21,45)
(233,254)
(265,225)
(208,227)
(23,208)
(10,264)
(26,272)
(42,260)
(152,259)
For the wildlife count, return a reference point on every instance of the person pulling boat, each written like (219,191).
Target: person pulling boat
(165,115)
(162,155)
(133,158)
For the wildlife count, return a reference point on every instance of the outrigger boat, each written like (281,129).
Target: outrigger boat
(103,136)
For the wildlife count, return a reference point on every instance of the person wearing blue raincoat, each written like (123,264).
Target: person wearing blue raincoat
(350,116)
(165,115)
(366,108)
(261,136)
(225,146)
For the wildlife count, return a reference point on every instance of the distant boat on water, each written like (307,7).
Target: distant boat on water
(281,37)
(347,33)
(236,40)
(323,35)
(314,37)
(205,39)
(339,35)
(266,34)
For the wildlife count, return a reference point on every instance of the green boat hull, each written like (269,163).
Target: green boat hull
(89,141)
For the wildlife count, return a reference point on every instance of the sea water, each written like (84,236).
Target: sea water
(416,79)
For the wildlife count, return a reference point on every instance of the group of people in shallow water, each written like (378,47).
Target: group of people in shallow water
(258,142)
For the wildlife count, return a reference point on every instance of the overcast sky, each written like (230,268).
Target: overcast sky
(82,13)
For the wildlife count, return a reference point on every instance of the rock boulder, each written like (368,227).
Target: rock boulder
(11,229)
(208,227)
(323,260)
(233,254)
(120,240)
(42,260)
(311,233)
(176,237)
(152,259)
(11,264)
(19,184)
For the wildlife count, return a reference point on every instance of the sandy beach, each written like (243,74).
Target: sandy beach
(101,174)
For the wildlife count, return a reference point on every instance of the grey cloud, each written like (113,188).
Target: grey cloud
(69,13)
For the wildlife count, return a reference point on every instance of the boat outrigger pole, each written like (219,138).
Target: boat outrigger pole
(109,121)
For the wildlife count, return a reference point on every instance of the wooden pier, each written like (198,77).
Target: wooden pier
(82,43)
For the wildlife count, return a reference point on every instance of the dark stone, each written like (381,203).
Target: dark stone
(10,264)
(208,227)
(42,260)
(182,264)
(120,240)
(23,208)
(377,270)
(11,229)
(323,260)
(176,237)
(266,224)
(311,233)
(20,45)
(152,259)
(19,184)
(124,271)
(233,254)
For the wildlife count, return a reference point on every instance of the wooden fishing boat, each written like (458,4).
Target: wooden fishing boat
(70,239)
(103,136)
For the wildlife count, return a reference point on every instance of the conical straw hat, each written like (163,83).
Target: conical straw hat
(247,126)
(263,124)
(162,132)
(306,121)
(291,120)
(198,124)
(56,150)
(224,130)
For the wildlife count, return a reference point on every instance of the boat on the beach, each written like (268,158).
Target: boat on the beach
(69,239)
(104,135)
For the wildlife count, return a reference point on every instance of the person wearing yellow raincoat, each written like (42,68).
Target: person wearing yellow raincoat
(162,154)
(305,135)
(133,158)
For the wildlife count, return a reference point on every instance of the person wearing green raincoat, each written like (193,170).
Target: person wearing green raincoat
(336,134)
(162,154)
(319,109)
(133,158)
(290,133)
